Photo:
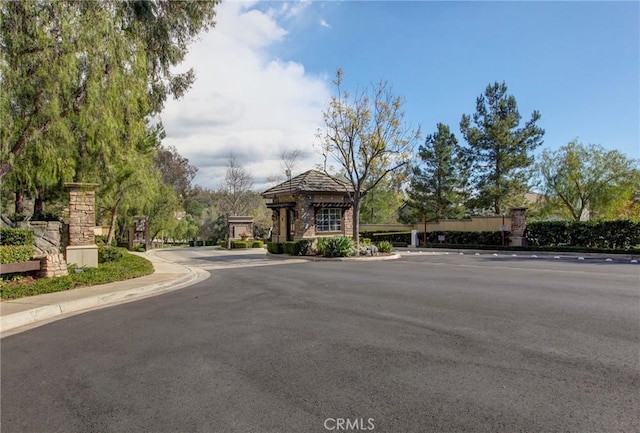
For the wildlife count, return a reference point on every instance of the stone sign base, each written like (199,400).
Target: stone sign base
(53,265)
(83,255)
(517,241)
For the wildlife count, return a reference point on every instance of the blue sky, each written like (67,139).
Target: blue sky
(265,71)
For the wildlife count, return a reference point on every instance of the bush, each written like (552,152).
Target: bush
(128,266)
(239,244)
(257,244)
(109,254)
(338,246)
(616,234)
(305,247)
(15,253)
(289,247)
(384,246)
(466,238)
(369,250)
(46,216)
(275,248)
(404,236)
(11,236)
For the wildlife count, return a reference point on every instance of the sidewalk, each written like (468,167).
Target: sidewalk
(34,311)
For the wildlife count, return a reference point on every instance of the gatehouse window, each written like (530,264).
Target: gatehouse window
(329,220)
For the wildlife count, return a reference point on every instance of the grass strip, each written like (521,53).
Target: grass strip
(127,267)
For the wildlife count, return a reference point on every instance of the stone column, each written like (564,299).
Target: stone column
(82,250)
(518,226)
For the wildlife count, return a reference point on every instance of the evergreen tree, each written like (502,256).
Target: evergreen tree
(438,183)
(499,150)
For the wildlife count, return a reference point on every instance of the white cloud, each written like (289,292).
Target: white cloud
(243,101)
(323,23)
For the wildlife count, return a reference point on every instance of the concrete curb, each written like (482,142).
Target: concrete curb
(284,257)
(521,254)
(12,321)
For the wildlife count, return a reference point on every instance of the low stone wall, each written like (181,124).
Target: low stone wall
(53,265)
(49,236)
(50,239)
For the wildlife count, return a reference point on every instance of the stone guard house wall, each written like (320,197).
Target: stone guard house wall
(300,199)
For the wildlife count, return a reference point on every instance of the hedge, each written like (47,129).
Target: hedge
(15,253)
(11,236)
(393,237)
(617,234)
(257,244)
(275,248)
(451,237)
(289,247)
(467,238)
(239,244)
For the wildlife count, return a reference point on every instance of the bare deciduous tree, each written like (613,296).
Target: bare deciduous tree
(368,138)
(236,189)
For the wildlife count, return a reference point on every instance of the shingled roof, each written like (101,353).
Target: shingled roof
(309,181)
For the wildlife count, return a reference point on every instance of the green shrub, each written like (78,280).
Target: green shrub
(465,238)
(11,236)
(289,247)
(304,247)
(16,217)
(404,236)
(15,253)
(275,248)
(46,216)
(384,246)
(109,254)
(128,266)
(338,246)
(365,242)
(257,244)
(138,248)
(616,234)
(239,244)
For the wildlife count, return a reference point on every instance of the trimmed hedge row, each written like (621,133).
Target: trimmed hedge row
(275,248)
(393,237)
(11,236)
(451,237)
(466,238)
(302,247)
(617,234)
(15,253)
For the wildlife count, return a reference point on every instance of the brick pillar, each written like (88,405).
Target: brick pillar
(82,250)
(518,226)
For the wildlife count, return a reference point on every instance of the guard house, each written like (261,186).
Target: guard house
(310,205)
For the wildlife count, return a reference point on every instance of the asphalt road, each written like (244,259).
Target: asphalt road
(421,344)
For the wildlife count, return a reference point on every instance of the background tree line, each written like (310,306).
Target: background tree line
(497,167)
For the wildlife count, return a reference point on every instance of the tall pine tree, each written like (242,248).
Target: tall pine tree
(438,183)
(499,150)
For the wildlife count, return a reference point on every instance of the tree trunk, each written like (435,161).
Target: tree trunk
(356,224)
(112,224)
(19,205)
(38,205)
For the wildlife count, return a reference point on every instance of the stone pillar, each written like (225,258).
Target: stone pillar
(82,250)
(518,226)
